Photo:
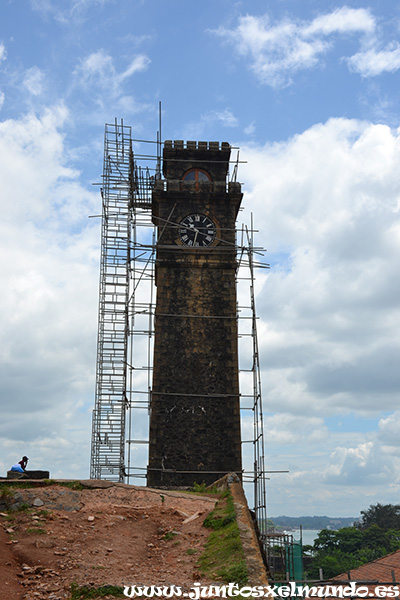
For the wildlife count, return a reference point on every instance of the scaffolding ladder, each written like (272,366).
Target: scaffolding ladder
(109,415)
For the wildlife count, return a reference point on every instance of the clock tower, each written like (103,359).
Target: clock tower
(195,409)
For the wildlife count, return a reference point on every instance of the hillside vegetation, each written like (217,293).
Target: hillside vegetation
(376,534)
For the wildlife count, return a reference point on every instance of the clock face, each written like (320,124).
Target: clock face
(197,231)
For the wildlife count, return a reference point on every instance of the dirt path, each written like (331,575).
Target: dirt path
(9,568)
(122,535)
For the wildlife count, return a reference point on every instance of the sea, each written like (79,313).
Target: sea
(308,535)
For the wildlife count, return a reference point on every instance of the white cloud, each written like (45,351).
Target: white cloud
(3,52)
(139,63)
(250,129)
(356,466)
(291,429)
(278,51)
(97,71)
(389,433)
(97,66)
(342,20)
(376,460)
(76,10)
(225,117)
(49,265)
(203,127)
(373,62)
(33,81)
(327,204)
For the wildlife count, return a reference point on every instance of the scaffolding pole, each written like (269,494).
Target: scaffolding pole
(108,429)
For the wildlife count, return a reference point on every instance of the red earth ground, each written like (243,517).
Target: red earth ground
(118,535)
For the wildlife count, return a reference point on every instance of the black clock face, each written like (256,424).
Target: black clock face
(197,231)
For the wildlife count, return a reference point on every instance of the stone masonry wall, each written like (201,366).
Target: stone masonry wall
(195,413)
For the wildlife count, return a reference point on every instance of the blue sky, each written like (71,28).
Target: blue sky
(309,91)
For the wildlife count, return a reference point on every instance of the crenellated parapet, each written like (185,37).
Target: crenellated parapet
(193,145)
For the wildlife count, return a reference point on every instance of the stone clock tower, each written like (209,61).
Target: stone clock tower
(195,411)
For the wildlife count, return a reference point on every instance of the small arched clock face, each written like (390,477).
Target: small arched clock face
(197,231)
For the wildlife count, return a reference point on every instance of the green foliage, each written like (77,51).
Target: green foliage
(87,593)
(385,516)
(223,556)
(201,488)
(336,552)
(334,563)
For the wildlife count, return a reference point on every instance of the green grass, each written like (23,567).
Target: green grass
(169,535)
(24,507)
(45,514)
(16,483)
(6,495)
(223,557)
(222,515)
(87,593)
(201,488)
(36,531)
(72,485)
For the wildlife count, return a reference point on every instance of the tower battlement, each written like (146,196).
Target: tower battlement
(192,145)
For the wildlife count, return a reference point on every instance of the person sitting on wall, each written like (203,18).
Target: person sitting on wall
(21,465)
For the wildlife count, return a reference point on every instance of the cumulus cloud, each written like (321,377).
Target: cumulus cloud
(374,61)
(357,466)
(279,50)
(49,263)
(291,429)
(99,72)
(327,204)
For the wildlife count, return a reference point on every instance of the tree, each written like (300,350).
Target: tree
(347,539)
(386,516)
(336,552)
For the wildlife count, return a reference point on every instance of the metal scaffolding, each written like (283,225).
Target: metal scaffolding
(126,323)
(250,377)
(109,415)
